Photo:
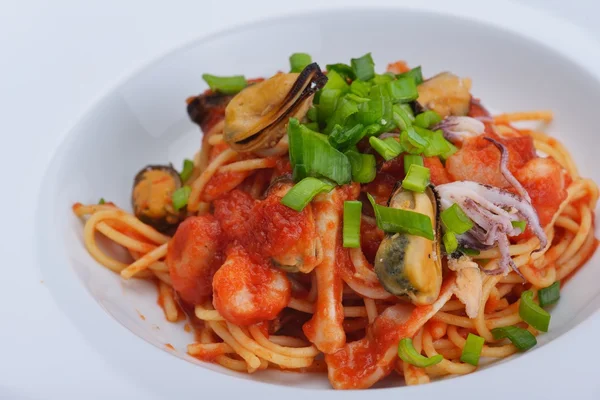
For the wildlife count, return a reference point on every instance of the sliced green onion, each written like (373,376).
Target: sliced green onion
(414,73)
(342,138)
(363,166)
(469,252)
(427,119)
(384,149)
(455,219)
(356,98)
(412,141)
(394,144)
(407,108)
(402,118)
(298,61)
(313,126)
(549,295)
(417,178)
(383,78)
(335,81)
(410,159)
(378,110)
(303,192)
(180,197)
(398,220)
(101,201)
(533,314)
(312,155)
(522,225)
(437,144)
(344,70)
(521,338)
(361,88)
(344,109)
(472,350)
(351,229)
(328,103)
(450,242)
(408,354)
(188,168)
(363,67)
(312,114)
(403,90)
(452,149)
(225,84)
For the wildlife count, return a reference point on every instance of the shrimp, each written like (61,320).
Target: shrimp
(193,256)
(479,160)
(546,182)
(247,292)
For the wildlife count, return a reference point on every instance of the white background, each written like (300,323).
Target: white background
(56,59)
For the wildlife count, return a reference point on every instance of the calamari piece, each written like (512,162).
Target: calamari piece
(457,129)
(469,284)
(325,328)
(360,364)
(492,210)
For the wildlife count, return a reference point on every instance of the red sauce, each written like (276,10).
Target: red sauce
(170,346)
(265,229)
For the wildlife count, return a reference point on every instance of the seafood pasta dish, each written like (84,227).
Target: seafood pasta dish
(359,224)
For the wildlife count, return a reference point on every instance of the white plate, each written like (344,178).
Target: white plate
(144,121)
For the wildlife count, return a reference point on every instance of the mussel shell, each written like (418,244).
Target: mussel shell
(407,265)
(205,109)
(165,219)
(271,122)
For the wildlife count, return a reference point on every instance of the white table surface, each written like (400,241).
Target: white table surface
(56,59)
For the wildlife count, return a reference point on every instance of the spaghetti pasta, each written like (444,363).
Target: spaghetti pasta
(299,295)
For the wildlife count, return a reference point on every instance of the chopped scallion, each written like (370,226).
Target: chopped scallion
(180,197)
(410,159)
(533,314)
(455,219)
(472,350)
(413,142)
(225,84)
(298,61)
(414,73)
(403,90)
(101,201)
(417,178)
(351,229)
(363,67)
(188,168)
(384,149)
(312,155)
(522,225)
(549,295)
(521,338)
(303,192)
(343,138)
(408,354)
(344,70)
(427,119)
(399,220)
(335,81)
(450,242)
(363,166)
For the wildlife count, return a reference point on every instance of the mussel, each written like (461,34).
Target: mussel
(153,189)
(446,94)
(257,117)
(208,108)
(407,265)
